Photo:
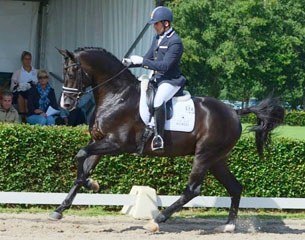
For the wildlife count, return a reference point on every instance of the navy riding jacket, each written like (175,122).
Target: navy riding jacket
(165,58)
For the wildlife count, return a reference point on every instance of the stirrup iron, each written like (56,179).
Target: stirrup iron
(157,143)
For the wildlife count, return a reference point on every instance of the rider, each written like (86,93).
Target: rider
(163,58)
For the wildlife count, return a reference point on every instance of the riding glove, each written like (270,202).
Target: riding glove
(136,60)
(127,62)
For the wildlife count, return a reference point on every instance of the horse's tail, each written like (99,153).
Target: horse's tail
(269,114)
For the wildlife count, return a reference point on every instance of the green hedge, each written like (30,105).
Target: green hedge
(295,118)
(292,118)
(38,158)
(41,159)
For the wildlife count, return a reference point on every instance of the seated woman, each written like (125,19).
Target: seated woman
(40,97)
(21,82)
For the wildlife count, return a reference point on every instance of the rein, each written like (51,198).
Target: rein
(106,81)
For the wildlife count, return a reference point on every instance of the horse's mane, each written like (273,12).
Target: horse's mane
(102,50)
(113,60)
(88,48)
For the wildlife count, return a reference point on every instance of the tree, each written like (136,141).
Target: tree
(238,49)
(288,52)
(193,23)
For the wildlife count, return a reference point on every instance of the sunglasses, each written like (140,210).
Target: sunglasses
(43,77)
(27,59)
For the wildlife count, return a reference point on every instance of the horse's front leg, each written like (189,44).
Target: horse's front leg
(82,174)
(86,162)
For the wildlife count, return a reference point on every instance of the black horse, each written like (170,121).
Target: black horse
(117,128)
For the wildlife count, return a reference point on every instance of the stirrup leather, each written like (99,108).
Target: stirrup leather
(148,131)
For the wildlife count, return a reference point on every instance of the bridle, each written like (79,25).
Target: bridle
(79,88)
(68,90)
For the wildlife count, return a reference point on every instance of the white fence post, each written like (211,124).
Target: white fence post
(145,206)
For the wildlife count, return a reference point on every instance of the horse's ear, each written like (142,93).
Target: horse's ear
(70,55)
(66,53)
(62,52)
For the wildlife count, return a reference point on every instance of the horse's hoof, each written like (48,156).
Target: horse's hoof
(152,226)
(55,216)
(228,228)
(82,154)
(160,218)
(94,186)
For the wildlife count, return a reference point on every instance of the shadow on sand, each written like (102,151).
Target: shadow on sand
(244,225)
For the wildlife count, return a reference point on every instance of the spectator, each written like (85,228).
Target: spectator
(40,97)
(21,82)
(71,118)
(87,104)
(7,112)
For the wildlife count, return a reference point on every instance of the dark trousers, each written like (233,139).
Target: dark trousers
(76,117)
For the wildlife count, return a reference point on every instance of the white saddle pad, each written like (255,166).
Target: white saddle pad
(183,116)
(183,112)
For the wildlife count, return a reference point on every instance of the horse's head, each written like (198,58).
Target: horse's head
(75,80)
(96,67)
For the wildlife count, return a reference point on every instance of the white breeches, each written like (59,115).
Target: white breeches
(164,93)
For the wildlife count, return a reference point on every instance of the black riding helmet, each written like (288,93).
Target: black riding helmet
(161,14)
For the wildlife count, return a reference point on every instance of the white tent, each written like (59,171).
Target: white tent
(40,26)
(18,31)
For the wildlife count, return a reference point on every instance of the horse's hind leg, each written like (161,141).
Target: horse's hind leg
(84,167)
(222,173)
(199,170)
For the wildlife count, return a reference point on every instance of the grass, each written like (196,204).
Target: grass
(293,132)
(185,213)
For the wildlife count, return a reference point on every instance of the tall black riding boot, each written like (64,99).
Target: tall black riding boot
(159,117)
